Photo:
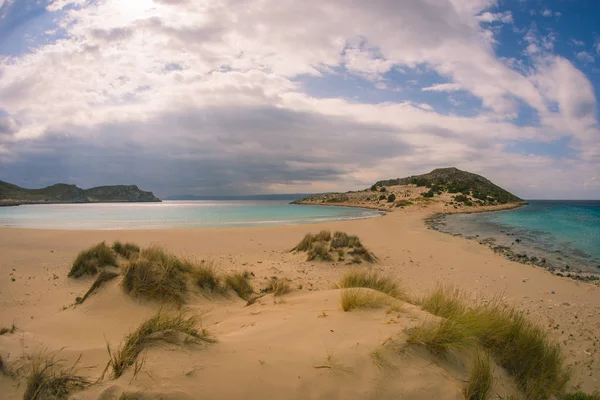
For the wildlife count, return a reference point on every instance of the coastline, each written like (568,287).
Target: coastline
(420,258)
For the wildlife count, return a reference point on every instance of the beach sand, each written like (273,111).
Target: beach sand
(298,346)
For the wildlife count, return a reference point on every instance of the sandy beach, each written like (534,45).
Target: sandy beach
(274,348)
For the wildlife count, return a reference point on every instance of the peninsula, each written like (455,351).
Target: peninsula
(11,195)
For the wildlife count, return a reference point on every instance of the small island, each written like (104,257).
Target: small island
(13,195)
(444,190)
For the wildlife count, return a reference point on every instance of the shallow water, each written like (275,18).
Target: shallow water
(566,233)
(173,214)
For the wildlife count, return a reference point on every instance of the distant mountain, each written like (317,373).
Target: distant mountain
(454,180)
(293,196)
(62,193)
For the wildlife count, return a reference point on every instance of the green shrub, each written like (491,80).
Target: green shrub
(430,193)
(391,198)
(373,188)
(126,250)
(382,189)
(382,197)
(461,198)
(89,261)
(403,203)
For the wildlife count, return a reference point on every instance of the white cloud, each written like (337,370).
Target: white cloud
(577,42)
(215,86)
(585,57)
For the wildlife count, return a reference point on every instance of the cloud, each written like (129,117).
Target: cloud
(208,96)
(585,57)
(577,42)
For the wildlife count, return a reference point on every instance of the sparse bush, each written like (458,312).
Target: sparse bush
(319,251)
(428,194)
(371,280)
(461,198)
(157,275)
(403,203)
(240,283)
(481,379)
(382,189)
(126,250)
(101,279)
(382,197)
(361,298)
(278,286)
(160,328)
(206,277)
(89,261)
(49,380)
(391,198)
(373,188)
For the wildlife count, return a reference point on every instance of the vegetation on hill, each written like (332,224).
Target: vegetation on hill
(453,180)
(63,193)
(325,247)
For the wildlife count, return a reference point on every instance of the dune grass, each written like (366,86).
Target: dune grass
(101,279)
(580,396)
(161,327)
(319,251)
(371,280)
(126,250)
(4,330)
(305,243)
(240,283)
(49,380)
(518,345)
(323,236)
(442,337)
(206,277)
(278,286)
(157,275)
(359,298)
(481,379)
(89,261)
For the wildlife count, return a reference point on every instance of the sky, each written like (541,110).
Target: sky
(226,97)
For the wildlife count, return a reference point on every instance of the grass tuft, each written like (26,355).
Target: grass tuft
(319,251)
(160,328)
(206,277)
(278,286)
(157,275)
(371,280)
(340,240)
(89,261)
(351,299)
(479,385)
(323,236)
(442,337)
(444,301)
(363,254)
(101,279)
(240,283)
(580,396)
(126,250)
(305,243)
(48,380)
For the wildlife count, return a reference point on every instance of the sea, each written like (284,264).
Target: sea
(174,214)
(564,233)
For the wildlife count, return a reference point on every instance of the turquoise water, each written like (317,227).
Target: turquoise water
(173,214)
(568,231)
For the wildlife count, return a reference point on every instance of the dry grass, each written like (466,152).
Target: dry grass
(206,277)
(126,250)
(481,379)
(580,396)
(48,379)
(101,279)
(157,275)
(305,243)
(240,283)
(323,236)
(89,261)
(160,328)
(4,331)
(351,299)
(278,286)
(522,348)
(319,251)
(363,254)
(442,337)
(371,280)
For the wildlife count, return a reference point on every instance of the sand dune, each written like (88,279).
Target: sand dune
(301,345)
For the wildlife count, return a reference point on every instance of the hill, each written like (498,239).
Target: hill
(62,193)
(453,180)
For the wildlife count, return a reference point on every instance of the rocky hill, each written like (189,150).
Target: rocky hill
(453,180)
(62,193)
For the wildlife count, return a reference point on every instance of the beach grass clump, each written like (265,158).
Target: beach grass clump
(240,283)
(89,261)
(50,380)
(206,277)
(157,275)
(319,251)
(363,254)
(101,279)
(517,344)
(323,236)
(305,243)
(360,298)
(161,327)
(580,396)
(442,337)
(278,286)
(126,250)
(481,379)
(371,280)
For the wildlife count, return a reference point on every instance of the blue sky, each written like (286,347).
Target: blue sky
(214,98)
